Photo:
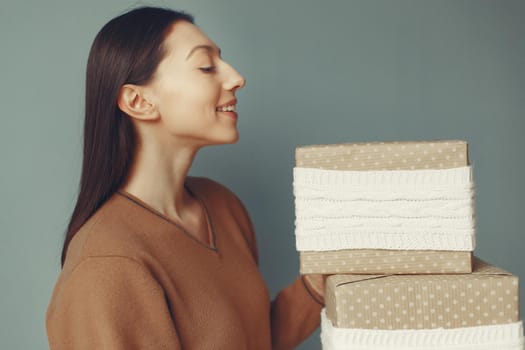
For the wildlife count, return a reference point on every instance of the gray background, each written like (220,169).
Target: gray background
(317,72)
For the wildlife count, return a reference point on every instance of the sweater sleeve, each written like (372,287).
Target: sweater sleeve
(110,303)
(295,313)
(294,316)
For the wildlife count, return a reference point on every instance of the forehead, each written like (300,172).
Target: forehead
(183,37)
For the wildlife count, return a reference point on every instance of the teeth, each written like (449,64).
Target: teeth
(227,109)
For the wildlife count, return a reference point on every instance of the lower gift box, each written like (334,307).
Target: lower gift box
(476,311)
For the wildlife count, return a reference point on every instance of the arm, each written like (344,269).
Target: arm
(110,303)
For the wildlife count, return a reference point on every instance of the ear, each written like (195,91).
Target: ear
(131,100)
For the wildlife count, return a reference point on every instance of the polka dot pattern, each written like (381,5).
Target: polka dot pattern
(487,296)
(374,261)
(405,155)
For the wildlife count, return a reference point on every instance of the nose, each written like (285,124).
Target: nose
(234,80)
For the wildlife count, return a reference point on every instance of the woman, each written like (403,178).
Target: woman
(153,258)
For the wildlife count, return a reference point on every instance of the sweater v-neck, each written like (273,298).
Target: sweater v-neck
(211,232)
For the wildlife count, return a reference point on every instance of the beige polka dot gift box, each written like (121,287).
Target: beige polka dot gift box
(384,207)
(477,311)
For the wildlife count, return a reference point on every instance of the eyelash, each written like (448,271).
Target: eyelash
(210,69)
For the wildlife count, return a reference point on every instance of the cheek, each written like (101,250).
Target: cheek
(189,110)
(189,99)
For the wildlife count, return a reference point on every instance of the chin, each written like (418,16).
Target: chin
(227,139)
(233,139)
(232,136)
(236,138)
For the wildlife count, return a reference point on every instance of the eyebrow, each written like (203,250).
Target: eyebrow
(205,47)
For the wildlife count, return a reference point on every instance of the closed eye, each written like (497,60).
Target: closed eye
(209,69)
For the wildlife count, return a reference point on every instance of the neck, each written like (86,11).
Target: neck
(157,176)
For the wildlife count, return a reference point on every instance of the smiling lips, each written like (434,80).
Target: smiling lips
(228,106)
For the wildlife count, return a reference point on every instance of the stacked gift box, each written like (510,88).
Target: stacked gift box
(393,224)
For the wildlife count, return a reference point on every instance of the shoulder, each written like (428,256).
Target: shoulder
(115,229)
(106,271)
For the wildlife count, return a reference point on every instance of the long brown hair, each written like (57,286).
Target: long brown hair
(127,49)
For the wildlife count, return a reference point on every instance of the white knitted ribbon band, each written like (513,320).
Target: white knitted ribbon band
(501,337)
(429,209)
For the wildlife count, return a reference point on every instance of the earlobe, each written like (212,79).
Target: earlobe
(131,101)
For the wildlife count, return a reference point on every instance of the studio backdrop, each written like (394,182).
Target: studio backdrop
(317,72)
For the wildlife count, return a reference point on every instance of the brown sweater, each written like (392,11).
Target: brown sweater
(133,280)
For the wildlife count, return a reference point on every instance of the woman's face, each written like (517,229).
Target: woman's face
(190,85)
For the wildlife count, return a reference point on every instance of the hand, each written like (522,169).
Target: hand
(316,282)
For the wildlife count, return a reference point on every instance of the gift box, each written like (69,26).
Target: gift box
(384,207)
(376,261)
(469,311)
(487,296)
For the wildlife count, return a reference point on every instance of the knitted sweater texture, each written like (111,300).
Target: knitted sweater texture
(133,279)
